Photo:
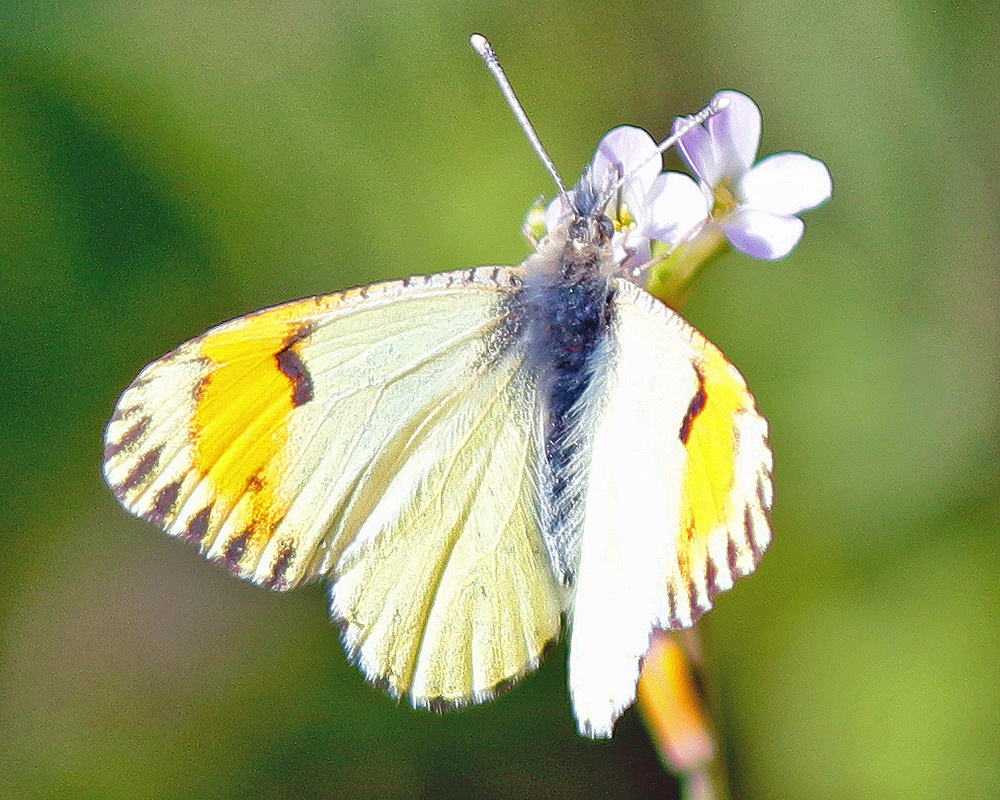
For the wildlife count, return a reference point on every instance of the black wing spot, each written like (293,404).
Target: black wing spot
(255,483)
(163,507)
(140,471)
(696,406)
(197,526)
(711,577)
(291,366)
(199,388)
(133,435)
(693,598)
(234,551)
(750,531)
(439,705)
(124,413)
(732,559)
(672,617)
(276,580)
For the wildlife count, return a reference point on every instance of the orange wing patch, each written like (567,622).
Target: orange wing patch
(723,510)
(240,428)
(709,434)
(199,443)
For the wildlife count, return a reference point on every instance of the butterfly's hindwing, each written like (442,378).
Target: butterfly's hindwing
(447,589)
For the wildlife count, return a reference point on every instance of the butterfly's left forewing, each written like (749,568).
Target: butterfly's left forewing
(383,438)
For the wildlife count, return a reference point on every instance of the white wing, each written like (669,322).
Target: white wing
(384,438)
(677,496)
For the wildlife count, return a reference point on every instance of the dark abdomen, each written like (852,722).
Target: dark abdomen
(565,325)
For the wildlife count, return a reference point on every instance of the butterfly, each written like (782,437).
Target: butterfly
(469,460)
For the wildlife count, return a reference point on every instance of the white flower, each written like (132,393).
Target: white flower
(651,205)
(756,206)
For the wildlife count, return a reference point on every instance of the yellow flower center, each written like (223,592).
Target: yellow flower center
(624,221)
(725,201)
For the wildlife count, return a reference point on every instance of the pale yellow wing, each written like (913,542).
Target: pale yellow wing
(383,438)
(446,590)
(678,493)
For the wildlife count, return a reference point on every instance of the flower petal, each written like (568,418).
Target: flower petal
(786,183)
(762,235)
(676,206)
(628,151)
(698,151)
(735,132)
(630,251)
(557,212)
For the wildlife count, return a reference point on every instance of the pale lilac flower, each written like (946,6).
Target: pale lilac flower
(756,206)
(651,205)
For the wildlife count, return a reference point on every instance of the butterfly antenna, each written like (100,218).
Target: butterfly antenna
(485,50)
(714,107)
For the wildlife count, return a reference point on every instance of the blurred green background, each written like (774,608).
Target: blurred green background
(165,166)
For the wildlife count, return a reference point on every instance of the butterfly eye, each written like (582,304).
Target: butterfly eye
(605,228)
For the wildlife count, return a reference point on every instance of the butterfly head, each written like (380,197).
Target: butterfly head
(591,208)
(581,231)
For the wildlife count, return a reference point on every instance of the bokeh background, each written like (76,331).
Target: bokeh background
(168,165)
